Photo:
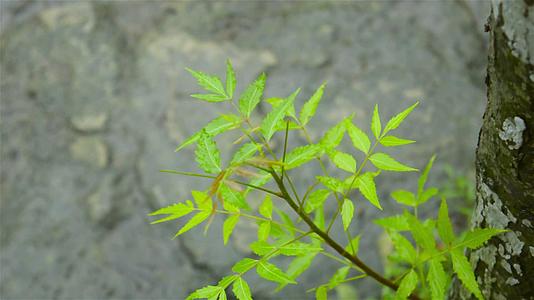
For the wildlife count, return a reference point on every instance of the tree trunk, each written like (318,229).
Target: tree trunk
(504,267)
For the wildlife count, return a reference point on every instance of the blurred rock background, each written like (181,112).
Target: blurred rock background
(94,99)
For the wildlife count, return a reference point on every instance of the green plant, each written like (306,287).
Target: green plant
(422,268)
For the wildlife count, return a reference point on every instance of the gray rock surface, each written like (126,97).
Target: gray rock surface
(94,99)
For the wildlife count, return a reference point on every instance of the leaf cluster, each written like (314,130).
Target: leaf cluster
(292,222)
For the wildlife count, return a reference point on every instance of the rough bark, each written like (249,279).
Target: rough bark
(504,267)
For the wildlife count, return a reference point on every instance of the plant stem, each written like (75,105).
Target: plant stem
(332,243)
(253,217)
(214,177)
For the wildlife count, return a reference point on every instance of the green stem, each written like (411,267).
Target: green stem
(332,243)
(253,217)
(214,177)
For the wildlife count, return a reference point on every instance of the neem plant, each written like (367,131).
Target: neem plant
(421,266)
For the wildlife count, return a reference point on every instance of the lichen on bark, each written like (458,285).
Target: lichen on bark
(505,158)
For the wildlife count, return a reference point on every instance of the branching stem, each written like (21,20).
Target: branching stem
(331,242)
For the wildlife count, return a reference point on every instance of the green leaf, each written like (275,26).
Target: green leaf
(376,126)
(366,185)
(422,235)
(338,277)
(301,155)
(202,200)
(321,293)
(215,127)
(353,246)
(343,160)
(241,290)
(209,291)
(286,220)
(318,219)
(273,273)
(209,82)
(207,154)
(193,222)
(407,285)
(404,197)
(300,264)
(275,102)
(386,162)
(175,211)
(359,139)
(268,125)
(228,226)
(332,183)
(396,223)
(264,229)
(245,152)
(347,212)
(422,179)
(244,265)
(403,247)
(227,280)
(333,136)
(235,198)
(444,224)
(295,248)
(394,122)
(316,199)
(427,194)
(210,97)
(230,79)
(477,237)
(463,269)
(437,279)
(393,141)
(309,108)
(266,208)
(252,96)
